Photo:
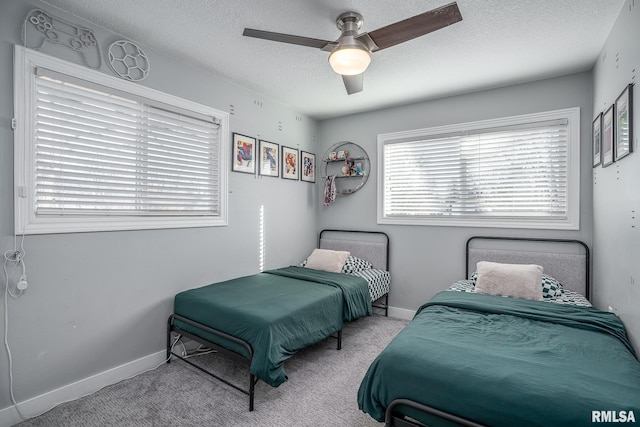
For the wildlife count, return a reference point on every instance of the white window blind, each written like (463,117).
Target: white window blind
(518,174)
(101,152)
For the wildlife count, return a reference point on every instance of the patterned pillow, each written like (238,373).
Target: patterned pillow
(551,288)
(355,264)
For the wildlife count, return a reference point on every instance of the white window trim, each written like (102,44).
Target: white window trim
(26,222)
(572,220)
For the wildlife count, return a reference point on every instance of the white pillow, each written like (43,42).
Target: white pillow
(511,280)
(327,260)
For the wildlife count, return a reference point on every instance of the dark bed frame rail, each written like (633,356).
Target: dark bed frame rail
(250,391)
(382,305)
(393,420)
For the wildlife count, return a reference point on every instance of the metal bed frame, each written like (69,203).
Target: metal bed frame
(250,389)
(395,419)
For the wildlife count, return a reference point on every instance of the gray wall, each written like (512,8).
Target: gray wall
(100,300)
(616,188)
(426,259)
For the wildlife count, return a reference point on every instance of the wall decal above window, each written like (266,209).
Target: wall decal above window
(128,61)
(41,28)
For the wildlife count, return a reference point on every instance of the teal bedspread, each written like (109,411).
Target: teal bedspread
(507,362)
(277,312)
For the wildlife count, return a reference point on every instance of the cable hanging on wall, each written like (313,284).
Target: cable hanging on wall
(15,256)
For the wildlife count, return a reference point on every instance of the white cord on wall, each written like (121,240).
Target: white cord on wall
(17,257)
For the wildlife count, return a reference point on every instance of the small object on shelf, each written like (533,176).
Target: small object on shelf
(355,169)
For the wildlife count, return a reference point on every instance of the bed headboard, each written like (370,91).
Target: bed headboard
(372,246)
(565,260)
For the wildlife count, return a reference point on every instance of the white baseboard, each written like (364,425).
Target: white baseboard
(401,313)
(40,404)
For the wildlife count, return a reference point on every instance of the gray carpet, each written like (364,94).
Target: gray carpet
(321,390)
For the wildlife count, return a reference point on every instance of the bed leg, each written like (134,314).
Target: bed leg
(340,339)
(252,384)
(386,305)
(169,323)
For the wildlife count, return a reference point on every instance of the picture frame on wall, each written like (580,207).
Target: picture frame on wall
(596,140)
(308,167)
(269,159)
(623,124)
(290,163)
(607,137)
(243,151)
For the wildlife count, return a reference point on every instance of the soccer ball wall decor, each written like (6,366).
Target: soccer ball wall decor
(128,61)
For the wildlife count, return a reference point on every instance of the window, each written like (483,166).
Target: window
(517,172)
(96,153)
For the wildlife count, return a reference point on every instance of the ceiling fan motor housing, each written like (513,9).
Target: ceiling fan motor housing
(350,18)
(351,56)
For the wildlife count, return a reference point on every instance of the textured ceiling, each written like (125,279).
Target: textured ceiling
(498,43)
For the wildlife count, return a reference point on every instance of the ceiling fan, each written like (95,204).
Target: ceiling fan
(350,54)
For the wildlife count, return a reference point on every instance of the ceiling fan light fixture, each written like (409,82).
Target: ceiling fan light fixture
(349,61)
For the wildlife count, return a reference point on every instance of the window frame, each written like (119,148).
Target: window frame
(26,62)
(570,222)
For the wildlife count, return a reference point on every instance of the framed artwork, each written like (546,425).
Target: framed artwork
(269,159)
(243,150)
(607,137)
(623,124)
(596,141)
(290,163)
(308,166)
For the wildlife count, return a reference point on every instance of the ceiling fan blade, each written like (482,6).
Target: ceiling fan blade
(286,38)
(413,27)
(353,84)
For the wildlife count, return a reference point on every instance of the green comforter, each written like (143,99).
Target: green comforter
(507,362)
(277,312)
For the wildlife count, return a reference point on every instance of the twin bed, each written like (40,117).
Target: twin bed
(467,358)
(265,318)
(474,359)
